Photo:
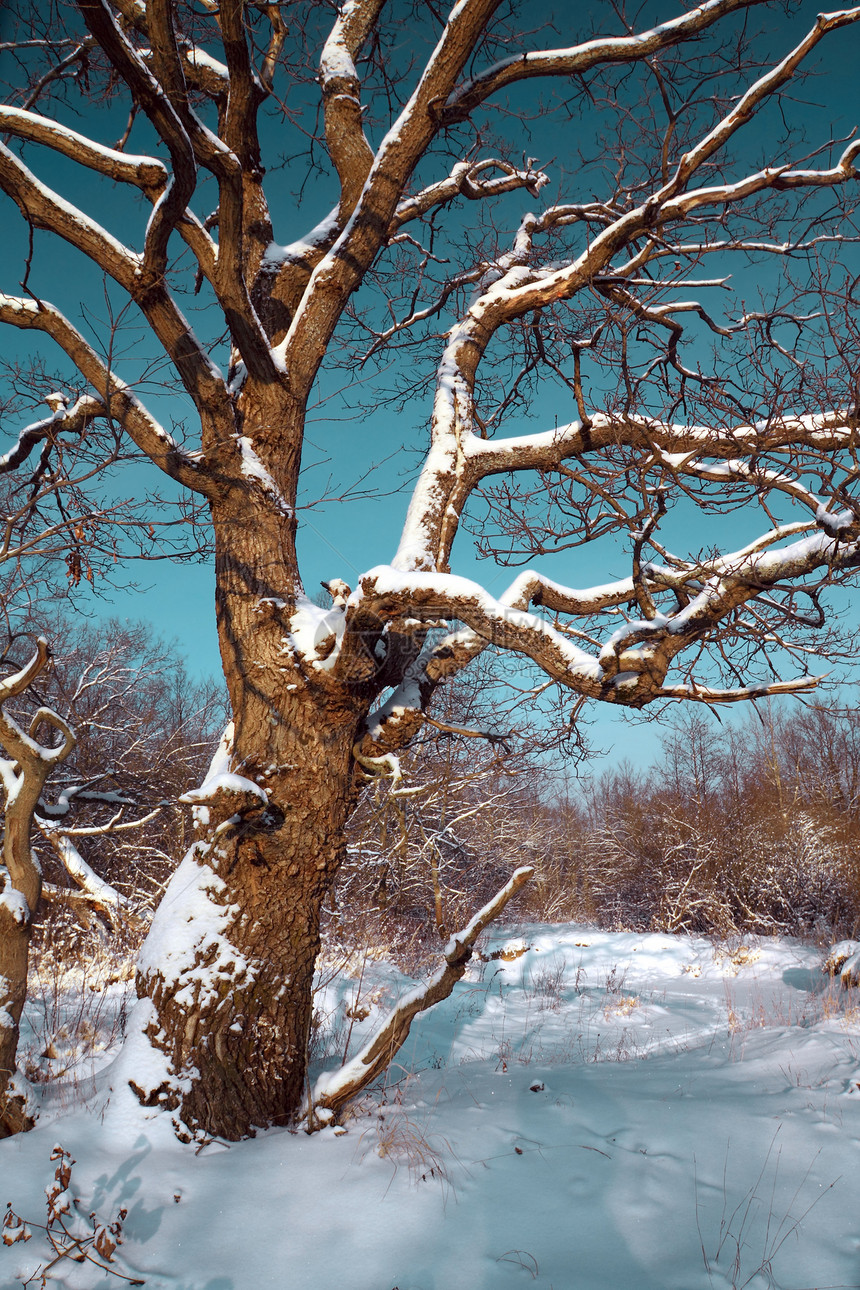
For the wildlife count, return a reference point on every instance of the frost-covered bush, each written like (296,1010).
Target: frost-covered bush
(751,829)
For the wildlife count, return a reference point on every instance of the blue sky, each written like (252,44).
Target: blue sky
(342,538)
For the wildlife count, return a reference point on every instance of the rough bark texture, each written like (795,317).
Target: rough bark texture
(14,952)
(240,1016)
(275,859)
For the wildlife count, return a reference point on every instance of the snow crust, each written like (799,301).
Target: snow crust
(190,924)
(310,627)
(336,61)
(588,1109)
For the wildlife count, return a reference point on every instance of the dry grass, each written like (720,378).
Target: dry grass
(78,994)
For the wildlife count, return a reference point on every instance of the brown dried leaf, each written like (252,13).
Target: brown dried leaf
(105,1244)
(14,1227)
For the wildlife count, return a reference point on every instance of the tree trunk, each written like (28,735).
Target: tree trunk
(229,963)
(15,929)
(227,970)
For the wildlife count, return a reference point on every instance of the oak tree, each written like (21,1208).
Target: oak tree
(600,279)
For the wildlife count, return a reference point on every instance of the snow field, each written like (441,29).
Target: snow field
(601,1110)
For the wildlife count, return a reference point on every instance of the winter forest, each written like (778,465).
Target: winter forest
(494,362)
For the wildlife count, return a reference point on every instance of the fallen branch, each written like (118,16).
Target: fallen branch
(335,1088)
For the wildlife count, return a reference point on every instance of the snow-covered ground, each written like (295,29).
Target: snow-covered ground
(601,1112)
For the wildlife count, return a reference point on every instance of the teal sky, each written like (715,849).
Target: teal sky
(341,538)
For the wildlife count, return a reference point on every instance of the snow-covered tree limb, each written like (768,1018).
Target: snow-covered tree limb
(91,890)
(43,208)
(147,173)
(334,1089)
(583,58)
(115,400)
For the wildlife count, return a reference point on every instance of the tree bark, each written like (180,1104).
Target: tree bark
(229,963)
(20,875)
(230,960)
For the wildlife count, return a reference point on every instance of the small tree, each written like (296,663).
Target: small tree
(23,776)
(91,839)
(601,282)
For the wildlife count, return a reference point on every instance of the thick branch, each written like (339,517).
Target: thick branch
(343,269)
(582,58)
(631,666)
(188,141)
(93,890)
(116,399)
(43,208)
(334,1090)
(351,154)
(147,173)
(33,764)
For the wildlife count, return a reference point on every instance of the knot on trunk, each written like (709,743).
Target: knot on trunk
(269,820)
(228,799)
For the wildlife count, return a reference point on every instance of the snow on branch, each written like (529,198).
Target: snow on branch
(65,419)
(744,109)
(43,208)
(712,695)
(579,59)
(116,399)
(460,458)
(334,1089)
(630,667)
(147,173)
(350,152)
(467,180)
(91,890)
(344,266)
(12,686)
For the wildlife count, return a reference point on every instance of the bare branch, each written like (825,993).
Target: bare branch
(334,1090)
(744,110)
(143,172)
(582,58)
(348,148)
(43,208)
(115,398)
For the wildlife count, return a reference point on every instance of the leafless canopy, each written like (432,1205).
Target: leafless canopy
(604,275)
